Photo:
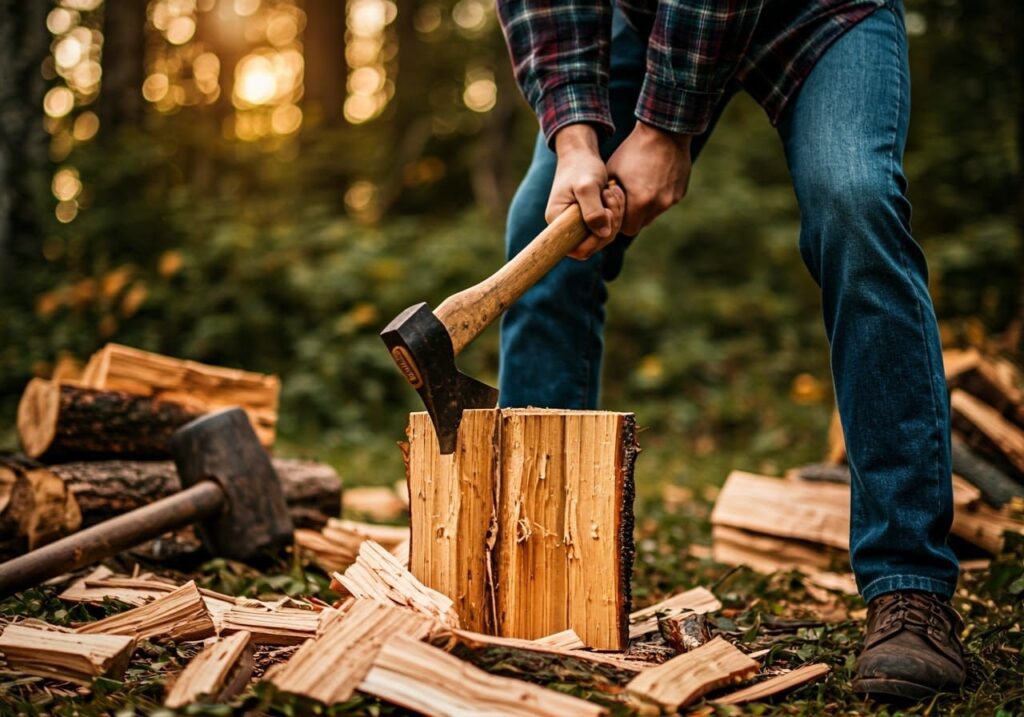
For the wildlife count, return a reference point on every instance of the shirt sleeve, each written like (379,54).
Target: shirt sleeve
(559,51)
(694,49)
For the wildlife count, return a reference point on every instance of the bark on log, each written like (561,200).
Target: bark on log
(35,506)
(104,489)
(58,420)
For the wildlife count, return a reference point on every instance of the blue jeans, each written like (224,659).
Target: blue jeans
(844,136)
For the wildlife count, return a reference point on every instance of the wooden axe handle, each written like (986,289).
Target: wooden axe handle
(469,312)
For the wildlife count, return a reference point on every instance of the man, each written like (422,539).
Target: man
(632,94)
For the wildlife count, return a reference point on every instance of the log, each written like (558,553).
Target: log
(429,681)
(179,615)
(776,685)
(996,487)
(684,679)
(330,668)
(216,674)
(65,656)
(374,502)
(528,525)
(65,421)
(35,506)
(994,381)
(104,489)
(199,387)
(988,432)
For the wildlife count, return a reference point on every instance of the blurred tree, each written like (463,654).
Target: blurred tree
(124,50)
(324,51)
(24,46)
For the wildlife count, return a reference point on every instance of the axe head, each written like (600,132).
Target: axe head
(422,349)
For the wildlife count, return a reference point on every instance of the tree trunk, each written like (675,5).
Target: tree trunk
(324,50)
(24,45)
(124,48)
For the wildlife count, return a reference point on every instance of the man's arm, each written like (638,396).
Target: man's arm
(694,49)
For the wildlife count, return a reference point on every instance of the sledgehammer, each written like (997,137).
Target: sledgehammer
(424,343)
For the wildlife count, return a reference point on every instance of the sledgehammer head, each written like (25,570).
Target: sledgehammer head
(421,347)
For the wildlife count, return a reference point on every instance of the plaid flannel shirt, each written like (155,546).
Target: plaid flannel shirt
(560,51)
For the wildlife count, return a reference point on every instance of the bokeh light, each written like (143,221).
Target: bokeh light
(481,92)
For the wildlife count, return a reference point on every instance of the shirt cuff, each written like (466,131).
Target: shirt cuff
(674,109)
(574,103)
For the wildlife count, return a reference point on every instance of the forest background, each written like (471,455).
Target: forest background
(265,183)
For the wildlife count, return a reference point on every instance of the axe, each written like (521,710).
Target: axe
(425,342)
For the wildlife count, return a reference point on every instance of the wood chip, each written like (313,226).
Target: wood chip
(419,677)
(216,674)
(330,668)
(684,679)
(377,575)
(684,630)
(178,615)
(378,503)
(284,626)
(65,656)
(775,685)
(336,546)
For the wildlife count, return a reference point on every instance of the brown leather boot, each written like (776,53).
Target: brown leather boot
(912,649)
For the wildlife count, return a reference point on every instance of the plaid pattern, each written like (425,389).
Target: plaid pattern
(560,52)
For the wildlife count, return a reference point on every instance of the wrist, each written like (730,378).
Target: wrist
(576,138)
(678,140)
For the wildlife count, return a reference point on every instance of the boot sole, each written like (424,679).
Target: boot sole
(889,690)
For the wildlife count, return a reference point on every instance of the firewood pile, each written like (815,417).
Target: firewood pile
(802,521)
(95,445)
(390,637)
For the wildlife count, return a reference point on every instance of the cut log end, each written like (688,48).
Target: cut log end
(37,416)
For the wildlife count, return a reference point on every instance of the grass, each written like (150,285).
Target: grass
(776,611)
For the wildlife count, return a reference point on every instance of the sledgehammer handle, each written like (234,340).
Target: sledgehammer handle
(469,312)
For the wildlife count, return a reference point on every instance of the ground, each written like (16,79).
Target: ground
(803,624)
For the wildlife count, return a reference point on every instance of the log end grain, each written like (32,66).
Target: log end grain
(37,416)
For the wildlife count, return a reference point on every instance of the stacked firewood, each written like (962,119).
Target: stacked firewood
(393,638)
(95,444)
(803,520)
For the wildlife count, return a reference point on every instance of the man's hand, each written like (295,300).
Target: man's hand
(653,166)
(581,178)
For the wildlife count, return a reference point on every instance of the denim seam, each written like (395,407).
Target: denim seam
(937,427)
(892,583)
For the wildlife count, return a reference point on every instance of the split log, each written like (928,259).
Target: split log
(199,387)
(684,679)
(216,674)
(35,506)
(265,626)
(104,489)
(61,421)
(814,512)
(776,685)
(377,575)
(528,525)
(330,668)
(994,381)
(768,554)
(429,681)
(532,661)
(978,523)
(65,656)
(337,545)
(986,431)
(374,502)
(179,615)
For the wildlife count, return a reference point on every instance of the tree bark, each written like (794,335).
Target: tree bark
(24,45)
(124,48)
(324,51)
(35,506)
(61,421)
